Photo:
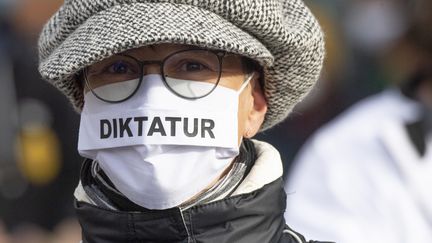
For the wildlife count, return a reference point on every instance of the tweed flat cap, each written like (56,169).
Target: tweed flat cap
(282,35)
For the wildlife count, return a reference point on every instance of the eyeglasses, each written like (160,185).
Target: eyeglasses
(190,74)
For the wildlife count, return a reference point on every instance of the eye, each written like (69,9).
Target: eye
(192,66)
(121,67)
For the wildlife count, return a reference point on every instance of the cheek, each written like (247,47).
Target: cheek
(244,107)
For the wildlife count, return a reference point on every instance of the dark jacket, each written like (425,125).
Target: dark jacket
(256,217)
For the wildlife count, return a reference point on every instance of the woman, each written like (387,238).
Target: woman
(170,93)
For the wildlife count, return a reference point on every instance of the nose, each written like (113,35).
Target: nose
(152,68)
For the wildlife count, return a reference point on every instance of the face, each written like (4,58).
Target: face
(252,104)
(424,93)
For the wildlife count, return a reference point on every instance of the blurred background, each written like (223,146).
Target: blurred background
(39,163)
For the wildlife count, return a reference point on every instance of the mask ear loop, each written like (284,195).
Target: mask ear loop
(245,83)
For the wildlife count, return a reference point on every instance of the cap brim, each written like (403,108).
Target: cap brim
(130,26)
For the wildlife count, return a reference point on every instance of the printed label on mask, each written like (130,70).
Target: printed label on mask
(146,127)
(162,126)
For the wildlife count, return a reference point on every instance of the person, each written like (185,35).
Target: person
(170,94)
(372,164)
(372,167)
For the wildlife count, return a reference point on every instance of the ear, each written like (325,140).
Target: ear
(257,111)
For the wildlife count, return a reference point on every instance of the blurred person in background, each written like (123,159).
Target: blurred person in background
(367,174)
(38,166)
(140,71)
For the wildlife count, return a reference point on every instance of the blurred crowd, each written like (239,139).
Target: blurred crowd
(365,175)
(39,163)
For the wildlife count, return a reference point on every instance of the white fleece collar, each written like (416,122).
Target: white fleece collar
(267,168)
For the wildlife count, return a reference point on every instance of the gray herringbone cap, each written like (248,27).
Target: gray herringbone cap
(282,35)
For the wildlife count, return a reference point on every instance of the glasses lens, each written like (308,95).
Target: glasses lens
(192,73)
(114,79)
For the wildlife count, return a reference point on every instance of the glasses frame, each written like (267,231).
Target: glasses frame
(219,54)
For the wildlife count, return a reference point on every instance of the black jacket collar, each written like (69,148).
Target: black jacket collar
(253,217)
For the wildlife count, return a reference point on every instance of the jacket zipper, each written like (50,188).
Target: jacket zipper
(184,224)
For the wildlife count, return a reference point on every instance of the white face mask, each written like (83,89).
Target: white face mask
(158,149)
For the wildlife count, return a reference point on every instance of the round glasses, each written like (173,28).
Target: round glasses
(191,74)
